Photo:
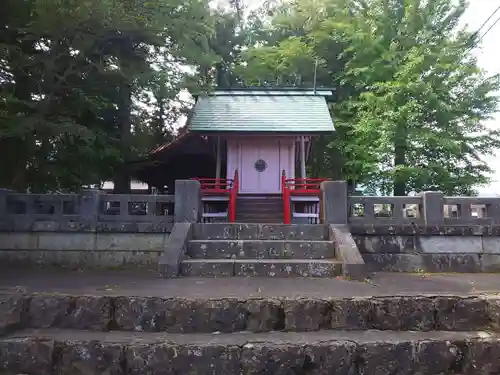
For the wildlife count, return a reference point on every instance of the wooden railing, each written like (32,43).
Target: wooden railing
(301,190)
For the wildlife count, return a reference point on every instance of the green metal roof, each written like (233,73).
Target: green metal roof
(284,111)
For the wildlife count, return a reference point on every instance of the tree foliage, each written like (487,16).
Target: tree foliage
(410,101)
(73,81)
(87,86)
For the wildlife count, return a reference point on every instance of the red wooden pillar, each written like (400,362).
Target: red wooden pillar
(286,199)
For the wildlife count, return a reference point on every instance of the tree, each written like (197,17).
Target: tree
(410,100)
(72,75)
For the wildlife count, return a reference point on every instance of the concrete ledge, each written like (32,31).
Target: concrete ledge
(426,244)
(415,229)
(81,226)
(83,241)
(86,259)
(175,249)
(442,262)
(353,265)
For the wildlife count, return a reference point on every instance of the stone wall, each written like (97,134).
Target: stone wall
(428,232)
(91,229)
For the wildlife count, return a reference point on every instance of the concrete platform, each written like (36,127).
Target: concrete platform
(148,284)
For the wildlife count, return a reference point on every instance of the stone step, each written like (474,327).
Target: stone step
(247,313)
(224,231)
(261,267)
(343,353)
(261,249)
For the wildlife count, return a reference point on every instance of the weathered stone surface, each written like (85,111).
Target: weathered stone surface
(45,310)
(217,315)
(260,232)
(382,358)
(493,303)
(434,357)
(461,314)
(139,314)
(90,312)
(272,359)
(403,313)
(481,357)
(350,313)
(287,268)
(305,314)
(158,359)
(468,263)
(209,359)
(333,357)
(26,356)
(264,315)
(11,309)
(391,262)
(85,312)
(207,268)
(85,358)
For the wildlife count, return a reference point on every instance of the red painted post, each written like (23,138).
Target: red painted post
(286,199)
(232,198)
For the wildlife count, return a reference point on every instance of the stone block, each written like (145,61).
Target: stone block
(264,315)
(140,314)
(481,356)
(347,252)
(287,268)
(223,249)
(67,241)
(331,357)
(26,356)
(351,313)
(451,244)
(491,245)
(434,357)
(11,310)
(461,314)
(59,311)
(92,357)
(175,248)
(467,263)
(403,313)
(490,263)
(382,358)
(46,311)
(207,268)
(130,241)
(493,303)
(394,262)
(212,315)
(271,358)
(305,314)
(18,241)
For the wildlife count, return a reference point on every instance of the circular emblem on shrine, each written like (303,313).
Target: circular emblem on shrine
(260,165)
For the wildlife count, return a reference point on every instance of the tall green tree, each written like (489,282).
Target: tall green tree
(410,100)
(73,74)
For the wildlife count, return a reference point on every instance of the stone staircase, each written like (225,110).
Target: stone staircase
(266,250)
(116,333)
(259,209)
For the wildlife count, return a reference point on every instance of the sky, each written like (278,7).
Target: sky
(487,55)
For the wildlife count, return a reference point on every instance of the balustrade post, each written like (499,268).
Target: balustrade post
(90,208)
(432,209)
(335,202)
(187,206)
